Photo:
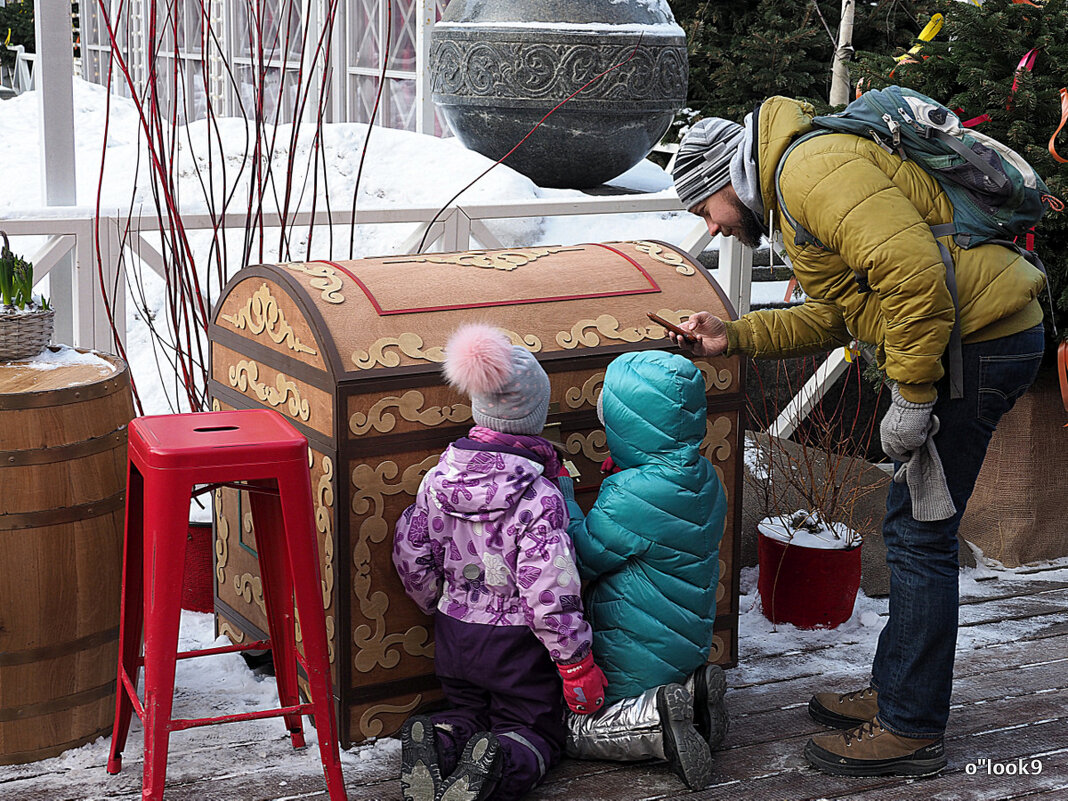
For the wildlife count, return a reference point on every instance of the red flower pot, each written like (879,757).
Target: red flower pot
(807,587)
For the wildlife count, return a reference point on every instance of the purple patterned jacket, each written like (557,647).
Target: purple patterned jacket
(486,542)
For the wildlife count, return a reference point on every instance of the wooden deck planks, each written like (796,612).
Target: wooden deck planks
(1008,704)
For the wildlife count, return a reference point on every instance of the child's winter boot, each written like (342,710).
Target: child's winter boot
(478,772)
(684,748)
(420,775)
(708,685)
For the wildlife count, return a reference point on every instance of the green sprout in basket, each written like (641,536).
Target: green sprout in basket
(16,282)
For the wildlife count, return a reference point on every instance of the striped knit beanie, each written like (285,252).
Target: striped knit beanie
(703,163)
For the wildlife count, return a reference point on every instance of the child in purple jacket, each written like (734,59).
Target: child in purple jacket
(485,549)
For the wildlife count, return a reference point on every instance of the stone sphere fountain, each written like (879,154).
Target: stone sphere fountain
(498,66)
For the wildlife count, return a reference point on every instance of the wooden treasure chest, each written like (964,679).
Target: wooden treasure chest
(350,352)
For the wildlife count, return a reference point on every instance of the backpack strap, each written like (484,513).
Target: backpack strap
(801,236)
(953,349)
(999,179)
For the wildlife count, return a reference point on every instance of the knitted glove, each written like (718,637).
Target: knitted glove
(927,481)
(905,426)
(584,685)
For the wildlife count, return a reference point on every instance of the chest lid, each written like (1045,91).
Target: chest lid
(356,319)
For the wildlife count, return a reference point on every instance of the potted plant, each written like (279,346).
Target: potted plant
(809,570)
(25,322)
(809,490)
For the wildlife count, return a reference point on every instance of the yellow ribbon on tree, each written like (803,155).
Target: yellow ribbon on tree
(930,30)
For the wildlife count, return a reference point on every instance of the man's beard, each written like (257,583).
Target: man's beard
(752,232)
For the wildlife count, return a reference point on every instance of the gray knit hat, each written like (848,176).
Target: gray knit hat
(509,390)
(703,163)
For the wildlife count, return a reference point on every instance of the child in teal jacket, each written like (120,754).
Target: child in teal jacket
(648,553)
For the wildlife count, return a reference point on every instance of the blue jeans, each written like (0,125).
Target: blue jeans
(913,667)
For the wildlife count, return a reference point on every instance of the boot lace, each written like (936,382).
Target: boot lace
(869,728)
(864,694)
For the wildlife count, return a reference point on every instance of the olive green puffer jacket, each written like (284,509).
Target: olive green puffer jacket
(649,549)
(873,212)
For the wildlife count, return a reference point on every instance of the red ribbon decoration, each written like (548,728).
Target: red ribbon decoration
(1064,118)
(1026,63)
(974,121)
(1062,373)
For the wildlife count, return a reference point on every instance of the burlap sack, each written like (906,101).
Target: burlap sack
(1019,511)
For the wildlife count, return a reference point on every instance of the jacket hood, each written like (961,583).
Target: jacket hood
(779,121)
(654,409)
(480,485)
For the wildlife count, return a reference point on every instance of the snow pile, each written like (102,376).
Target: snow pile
(803,529)
(56,356)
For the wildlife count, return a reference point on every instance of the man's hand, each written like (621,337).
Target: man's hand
(711,333)
(905,427)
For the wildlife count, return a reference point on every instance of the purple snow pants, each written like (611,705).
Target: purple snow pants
(499,679)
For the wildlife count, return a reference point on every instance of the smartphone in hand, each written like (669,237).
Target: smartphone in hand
(656,318)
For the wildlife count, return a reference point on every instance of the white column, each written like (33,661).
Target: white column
(425,16)
(55,104)
(736,272)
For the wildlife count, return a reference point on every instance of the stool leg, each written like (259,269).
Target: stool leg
(131,614)
(277,582)
(165,542)
(302,544)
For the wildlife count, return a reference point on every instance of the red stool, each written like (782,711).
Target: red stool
(168,456)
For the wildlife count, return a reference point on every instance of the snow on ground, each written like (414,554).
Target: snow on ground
(856,638)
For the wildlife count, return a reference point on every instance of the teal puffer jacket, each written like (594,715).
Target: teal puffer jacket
(649,549)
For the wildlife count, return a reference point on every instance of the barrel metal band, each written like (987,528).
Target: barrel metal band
(62,397)
(57,704)
(89,641)
(65,453)
(58,517)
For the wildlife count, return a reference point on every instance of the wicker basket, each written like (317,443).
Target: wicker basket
(25,334)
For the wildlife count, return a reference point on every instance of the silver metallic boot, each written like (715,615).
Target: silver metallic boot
(658,724)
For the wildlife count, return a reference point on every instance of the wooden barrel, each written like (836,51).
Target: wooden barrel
(62,488)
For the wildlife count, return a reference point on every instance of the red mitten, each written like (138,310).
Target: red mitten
(608,466)
(584,685)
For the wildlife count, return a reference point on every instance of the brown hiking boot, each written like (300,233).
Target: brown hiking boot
(871,750)
(845,710)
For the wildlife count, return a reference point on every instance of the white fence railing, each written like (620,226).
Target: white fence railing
(81,258)
(20,77)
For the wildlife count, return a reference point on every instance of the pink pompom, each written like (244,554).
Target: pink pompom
(478,359)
